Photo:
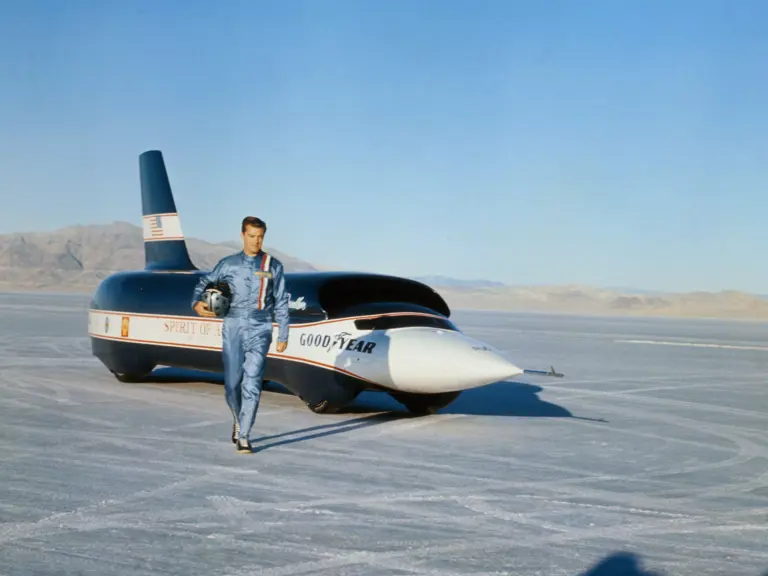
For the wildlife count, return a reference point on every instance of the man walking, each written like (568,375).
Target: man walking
(257,285)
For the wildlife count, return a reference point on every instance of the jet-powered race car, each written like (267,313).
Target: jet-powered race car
(349,331)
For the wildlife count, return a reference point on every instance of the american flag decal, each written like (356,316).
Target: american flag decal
(162,227)
(156,226)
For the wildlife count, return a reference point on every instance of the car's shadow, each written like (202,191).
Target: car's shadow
(511,399)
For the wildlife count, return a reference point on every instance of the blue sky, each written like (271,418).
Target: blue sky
(605,143)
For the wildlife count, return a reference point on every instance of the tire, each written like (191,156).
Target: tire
(425,404)
(130,377)
(323,407)
(132,372)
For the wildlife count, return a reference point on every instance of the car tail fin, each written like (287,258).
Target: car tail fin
(164,244)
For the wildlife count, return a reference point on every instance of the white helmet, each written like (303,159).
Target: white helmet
(216,301)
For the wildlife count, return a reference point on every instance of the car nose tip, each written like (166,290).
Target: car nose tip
(440,361)
(493,367)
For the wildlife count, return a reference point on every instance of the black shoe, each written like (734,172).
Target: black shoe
(235,431)
(244,446)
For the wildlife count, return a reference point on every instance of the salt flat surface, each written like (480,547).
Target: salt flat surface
(651,456)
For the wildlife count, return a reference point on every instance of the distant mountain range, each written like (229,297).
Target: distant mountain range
(77,258)
(447,282)
(597,301)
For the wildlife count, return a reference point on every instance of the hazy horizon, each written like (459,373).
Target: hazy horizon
(604,144)
(451,279)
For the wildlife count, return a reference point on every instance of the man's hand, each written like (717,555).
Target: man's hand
(281,346)
(203,311)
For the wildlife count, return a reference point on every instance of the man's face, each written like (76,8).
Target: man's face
(252,240)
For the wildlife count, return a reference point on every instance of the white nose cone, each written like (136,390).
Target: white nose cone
(425,360)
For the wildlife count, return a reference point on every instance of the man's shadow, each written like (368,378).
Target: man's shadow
(338,426)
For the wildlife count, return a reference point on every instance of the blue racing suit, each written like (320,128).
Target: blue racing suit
(258,296)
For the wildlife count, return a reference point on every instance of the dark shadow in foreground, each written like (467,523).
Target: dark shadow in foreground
(620,564)
(625,563)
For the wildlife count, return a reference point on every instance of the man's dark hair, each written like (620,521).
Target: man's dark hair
(255,222)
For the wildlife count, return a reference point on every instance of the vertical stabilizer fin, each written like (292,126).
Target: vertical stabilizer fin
(164,244)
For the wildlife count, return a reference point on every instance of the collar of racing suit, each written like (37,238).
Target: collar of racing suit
(249,258)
